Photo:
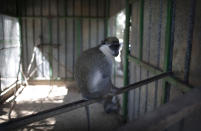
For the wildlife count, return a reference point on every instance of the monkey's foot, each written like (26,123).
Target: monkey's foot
(111,105)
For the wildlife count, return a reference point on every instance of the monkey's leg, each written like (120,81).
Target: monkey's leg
(88,117)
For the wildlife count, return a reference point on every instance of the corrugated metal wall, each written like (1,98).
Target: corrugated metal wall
(9,51)
(64,28)
(148,97)
(149,31)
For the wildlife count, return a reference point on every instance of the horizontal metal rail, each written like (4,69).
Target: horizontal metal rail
(171,79)
(20,122)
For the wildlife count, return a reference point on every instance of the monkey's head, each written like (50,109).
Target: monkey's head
(112,45)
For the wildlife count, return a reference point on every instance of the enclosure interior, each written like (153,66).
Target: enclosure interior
(41,39)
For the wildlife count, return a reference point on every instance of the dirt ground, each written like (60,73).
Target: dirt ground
(41,97)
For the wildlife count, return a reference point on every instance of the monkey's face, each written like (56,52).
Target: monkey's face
(114,47)
(113,44)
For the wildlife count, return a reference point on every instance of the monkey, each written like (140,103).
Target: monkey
(93,71)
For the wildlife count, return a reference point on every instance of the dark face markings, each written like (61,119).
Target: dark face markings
(115,48)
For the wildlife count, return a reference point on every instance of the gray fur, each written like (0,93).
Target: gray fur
(89,64)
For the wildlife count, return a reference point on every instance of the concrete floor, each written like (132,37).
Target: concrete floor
(37,98)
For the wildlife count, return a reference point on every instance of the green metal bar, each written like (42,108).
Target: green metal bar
(167,48)
(172,80)
(126,54)
(168,36)
(141,28)
(63,17)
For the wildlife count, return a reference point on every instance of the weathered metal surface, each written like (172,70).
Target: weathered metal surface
(60,22)
(168,114)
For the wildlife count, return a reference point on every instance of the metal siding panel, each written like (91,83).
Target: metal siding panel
(78,8)
(62,49)
(85,34)
(131,95)
(195,68)
(93,33)
(70,46)
(101,8)
(101,31)
(135,29)
(134,107)
(55,60)
(93,7)
(85,7)
(182,16)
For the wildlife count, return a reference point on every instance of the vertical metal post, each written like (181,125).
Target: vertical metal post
(126,54)
(166,65)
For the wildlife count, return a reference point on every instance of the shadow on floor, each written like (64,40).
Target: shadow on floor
(38,98)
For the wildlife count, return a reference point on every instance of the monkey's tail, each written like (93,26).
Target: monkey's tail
(88,117)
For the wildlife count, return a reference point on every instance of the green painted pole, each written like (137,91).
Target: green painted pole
(167,48)
(126,54)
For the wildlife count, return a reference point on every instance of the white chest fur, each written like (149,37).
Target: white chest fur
(108,53)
